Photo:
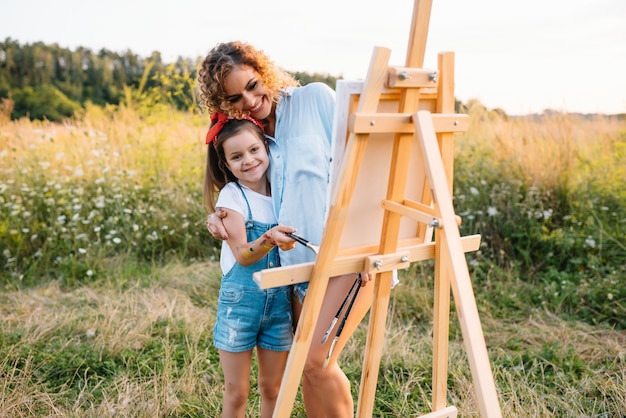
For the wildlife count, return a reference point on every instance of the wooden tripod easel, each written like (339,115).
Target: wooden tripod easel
(404,121)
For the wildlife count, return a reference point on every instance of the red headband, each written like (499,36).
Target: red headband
(219,119)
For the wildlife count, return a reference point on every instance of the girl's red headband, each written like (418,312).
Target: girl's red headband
(218,120)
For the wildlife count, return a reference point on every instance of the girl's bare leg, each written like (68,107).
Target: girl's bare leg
(236,368)
(318,383)
(271,369)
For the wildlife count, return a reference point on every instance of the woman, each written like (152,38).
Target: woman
(241,81)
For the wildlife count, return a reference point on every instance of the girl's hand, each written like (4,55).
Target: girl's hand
(277,237)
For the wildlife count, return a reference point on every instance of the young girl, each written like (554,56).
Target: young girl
(247,316)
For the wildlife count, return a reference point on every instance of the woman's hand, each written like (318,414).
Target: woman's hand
(215,225)
(366,277)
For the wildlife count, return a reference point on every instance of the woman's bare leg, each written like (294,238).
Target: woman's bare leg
(271,369)
(236,368)
(319,382)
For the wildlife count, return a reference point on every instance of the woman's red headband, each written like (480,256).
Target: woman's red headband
(218,120)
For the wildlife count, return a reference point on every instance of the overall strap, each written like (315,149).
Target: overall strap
(250,220)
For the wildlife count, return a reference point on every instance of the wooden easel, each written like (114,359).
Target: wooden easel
(408,112)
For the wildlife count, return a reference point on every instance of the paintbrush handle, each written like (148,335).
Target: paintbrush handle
(330,328)
(343,304)
(330,352)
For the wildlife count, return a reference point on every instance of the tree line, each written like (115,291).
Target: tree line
(42,81)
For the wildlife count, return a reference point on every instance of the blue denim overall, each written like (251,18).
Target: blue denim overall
(248,316)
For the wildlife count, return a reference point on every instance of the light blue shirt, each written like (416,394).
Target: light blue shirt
(300,161)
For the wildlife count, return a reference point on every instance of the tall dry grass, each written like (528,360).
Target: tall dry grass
(548,151)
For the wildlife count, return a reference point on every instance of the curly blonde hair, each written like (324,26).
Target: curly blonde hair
(219,63)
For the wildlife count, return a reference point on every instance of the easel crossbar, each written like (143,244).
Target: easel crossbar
(300,273)
(426,217)
(402,123)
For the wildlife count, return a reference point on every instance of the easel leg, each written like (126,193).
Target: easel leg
(453,254)
(441,326)
(374,345)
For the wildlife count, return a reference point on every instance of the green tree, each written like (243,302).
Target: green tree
(41,102)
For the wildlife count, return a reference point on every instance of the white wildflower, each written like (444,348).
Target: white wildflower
(547,214)
(492,211)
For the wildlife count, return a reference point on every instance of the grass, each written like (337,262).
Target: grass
(146,351)
(109,278)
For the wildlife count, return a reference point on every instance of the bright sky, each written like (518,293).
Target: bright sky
(521,56)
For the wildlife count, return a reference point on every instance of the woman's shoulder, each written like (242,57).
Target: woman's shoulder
(315,90)
(316,95)
(318,87)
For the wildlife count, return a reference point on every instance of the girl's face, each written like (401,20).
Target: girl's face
(245,92)
(246,157)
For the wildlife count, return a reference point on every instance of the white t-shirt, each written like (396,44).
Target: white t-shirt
(230,197)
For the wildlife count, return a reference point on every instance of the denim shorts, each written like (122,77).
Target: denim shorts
(299,290)
(248,317)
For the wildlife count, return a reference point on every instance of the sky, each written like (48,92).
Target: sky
(520,56)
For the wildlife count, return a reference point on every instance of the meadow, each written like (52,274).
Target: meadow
(109,278)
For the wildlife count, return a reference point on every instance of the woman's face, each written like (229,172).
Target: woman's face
(245,92)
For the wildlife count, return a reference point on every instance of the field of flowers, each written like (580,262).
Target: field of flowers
(547,196)
(109,276)
(78,197)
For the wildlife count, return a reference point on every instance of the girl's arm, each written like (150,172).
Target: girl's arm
(247,253)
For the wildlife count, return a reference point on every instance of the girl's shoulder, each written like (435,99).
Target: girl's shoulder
(230,197)
(230,188)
